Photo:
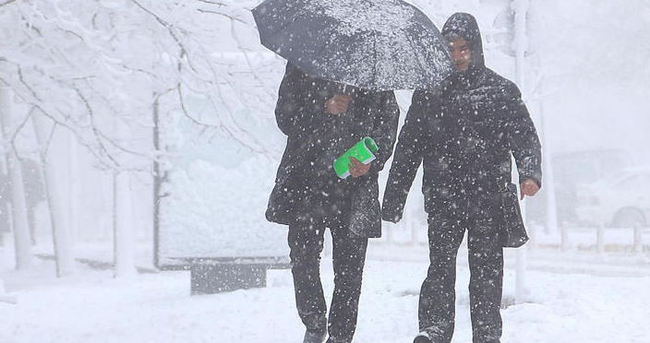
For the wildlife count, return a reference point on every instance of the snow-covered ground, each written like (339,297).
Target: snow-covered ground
(590,94)
(566,304)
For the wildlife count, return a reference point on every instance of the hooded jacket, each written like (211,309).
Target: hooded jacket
(464,134)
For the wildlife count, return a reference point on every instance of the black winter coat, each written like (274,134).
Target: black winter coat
(464,133)
(315,139)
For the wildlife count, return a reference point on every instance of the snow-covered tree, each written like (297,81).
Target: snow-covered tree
(81,67)
(60,232)
(8,128)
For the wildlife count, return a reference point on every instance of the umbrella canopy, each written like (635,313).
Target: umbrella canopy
(372,44)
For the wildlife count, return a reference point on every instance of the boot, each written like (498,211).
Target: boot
(423,337)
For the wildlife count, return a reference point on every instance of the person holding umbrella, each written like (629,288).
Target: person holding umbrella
(345,58)
(464,133)
(320,121)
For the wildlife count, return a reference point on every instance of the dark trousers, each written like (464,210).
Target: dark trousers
(349,251)
(437,296)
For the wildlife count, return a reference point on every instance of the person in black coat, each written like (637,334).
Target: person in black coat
(464,133)
(322,119)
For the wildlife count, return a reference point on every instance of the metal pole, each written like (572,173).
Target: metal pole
(157,182)
(520,8)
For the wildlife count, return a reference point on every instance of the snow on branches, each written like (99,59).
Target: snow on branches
(95,68)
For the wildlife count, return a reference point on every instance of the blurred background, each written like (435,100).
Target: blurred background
(144,130)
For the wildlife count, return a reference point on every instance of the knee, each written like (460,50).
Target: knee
(349,280)
(441,263)
(305,253)
(304,261)
(485,258)
(486,281)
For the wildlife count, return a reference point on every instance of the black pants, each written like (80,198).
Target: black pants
(437,297)
(349,251)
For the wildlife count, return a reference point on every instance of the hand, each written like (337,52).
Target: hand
(529,187)
(357,168)
(338,104)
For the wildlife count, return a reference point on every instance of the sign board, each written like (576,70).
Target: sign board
(222,156)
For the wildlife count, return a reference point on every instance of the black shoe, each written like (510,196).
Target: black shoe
(423,337)
(314,337)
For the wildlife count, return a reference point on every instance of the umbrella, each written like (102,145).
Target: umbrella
(372,44)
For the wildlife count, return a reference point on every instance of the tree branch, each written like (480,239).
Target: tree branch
(7,2)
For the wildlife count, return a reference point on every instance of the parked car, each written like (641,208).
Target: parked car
(620,201)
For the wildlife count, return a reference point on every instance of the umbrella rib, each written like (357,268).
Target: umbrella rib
(374,48)
(327,61)
(415,52)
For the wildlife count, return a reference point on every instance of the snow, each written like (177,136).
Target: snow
(215,211)
(218,186)
(587,76)
(567,307)
(384,16)
(17,190)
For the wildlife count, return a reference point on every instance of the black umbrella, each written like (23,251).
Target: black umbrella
(373,44)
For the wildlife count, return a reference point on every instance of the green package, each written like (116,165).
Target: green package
(363,151)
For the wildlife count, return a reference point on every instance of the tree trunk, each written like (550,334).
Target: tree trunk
(72,185)
(17,189)
(61,239)
(157,181)
(123,223)
(4,298)
(5,205)
(123,239)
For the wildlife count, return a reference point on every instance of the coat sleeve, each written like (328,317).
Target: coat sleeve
(408,157)
(300,105)
(385,129)
(523,140)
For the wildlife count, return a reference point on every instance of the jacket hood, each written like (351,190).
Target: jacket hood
(465,26)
